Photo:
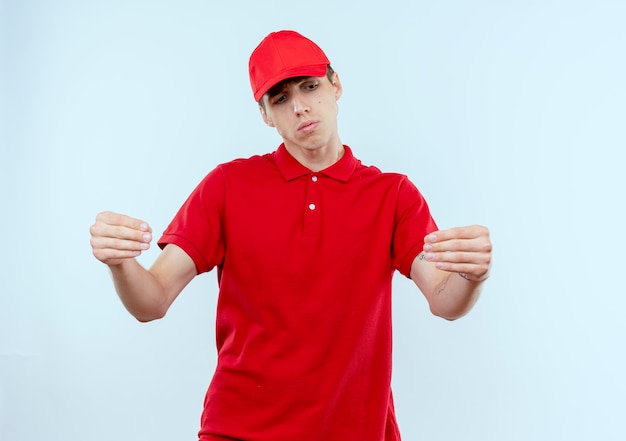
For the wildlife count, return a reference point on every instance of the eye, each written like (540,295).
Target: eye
(278,99)
(311,85)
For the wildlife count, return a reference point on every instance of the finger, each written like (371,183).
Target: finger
(458,245)
(474,238)
(477,244)
(473,272)
(113,251)
(475,265)
(104,231)
(113,257)
(108,243)
(111,218)
(461,257)
(121,227)
(468,232)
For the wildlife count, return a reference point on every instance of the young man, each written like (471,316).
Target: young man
(305,240)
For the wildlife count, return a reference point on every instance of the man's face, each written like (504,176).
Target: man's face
(304,111)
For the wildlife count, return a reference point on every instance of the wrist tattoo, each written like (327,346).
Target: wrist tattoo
(422,256)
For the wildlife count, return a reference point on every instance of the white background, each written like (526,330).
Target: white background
(506,113)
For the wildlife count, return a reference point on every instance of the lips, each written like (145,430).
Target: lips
(308,126)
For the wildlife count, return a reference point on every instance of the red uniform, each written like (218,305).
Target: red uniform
(305,263)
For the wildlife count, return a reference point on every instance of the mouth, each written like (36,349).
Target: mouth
(308,126)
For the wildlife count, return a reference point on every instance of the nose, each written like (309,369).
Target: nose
(300,105)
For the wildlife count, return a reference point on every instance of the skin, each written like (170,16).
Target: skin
(449,272)
(304,113)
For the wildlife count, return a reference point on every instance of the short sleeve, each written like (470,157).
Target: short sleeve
(198,227)
(413,222)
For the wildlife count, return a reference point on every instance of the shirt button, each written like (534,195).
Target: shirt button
(311,207)
(314,178)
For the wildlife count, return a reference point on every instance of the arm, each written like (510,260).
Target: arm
(452,268)
(147,294)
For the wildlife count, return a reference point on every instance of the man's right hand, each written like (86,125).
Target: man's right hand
(117,237)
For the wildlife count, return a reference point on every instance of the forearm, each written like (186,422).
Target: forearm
(140,291)
(454,297)
(116,240)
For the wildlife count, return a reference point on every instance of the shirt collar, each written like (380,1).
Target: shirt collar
(291,169)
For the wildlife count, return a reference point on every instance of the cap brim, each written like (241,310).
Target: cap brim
(317,70)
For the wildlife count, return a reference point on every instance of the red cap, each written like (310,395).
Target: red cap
(282,55)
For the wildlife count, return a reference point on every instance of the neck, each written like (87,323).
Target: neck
(316,159)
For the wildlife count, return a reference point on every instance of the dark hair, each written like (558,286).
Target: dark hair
(272,90)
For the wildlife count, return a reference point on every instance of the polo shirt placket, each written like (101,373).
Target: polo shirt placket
(312,209)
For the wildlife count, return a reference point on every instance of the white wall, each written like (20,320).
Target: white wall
(510,114)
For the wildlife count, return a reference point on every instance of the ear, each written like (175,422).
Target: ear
(337,85)
(265,117)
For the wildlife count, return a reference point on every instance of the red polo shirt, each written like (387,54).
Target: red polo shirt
(305,262)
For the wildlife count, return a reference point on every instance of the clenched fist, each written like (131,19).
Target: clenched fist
(464,250)
(117,237)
